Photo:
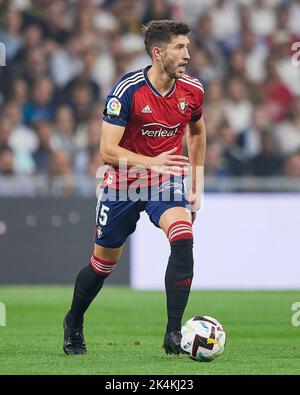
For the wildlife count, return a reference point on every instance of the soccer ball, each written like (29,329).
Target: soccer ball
(203,338)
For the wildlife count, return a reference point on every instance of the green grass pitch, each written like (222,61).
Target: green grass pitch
(124,331)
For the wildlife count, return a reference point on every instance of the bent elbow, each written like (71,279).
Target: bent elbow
(105,156)
(104,152)
(108,154)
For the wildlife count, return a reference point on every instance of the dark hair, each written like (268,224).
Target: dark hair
(162,31)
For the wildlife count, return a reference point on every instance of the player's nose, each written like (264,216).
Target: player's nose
(186,55)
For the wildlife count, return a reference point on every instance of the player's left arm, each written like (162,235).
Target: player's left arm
(196,144)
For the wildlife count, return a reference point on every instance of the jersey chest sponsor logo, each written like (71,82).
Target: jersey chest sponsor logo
(159,130)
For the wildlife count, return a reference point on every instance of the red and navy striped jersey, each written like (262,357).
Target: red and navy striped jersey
(153,123)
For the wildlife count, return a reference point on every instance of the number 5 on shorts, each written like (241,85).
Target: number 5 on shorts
(102,216)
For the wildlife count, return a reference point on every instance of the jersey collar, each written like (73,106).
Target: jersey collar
(152,87)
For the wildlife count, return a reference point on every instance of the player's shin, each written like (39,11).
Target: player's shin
(179,273)
(88,284)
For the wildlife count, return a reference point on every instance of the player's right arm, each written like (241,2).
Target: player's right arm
(111,151)
(114,154)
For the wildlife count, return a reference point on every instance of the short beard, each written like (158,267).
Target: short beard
(169,69)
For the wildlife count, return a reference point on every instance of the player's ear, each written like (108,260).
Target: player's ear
(157,53)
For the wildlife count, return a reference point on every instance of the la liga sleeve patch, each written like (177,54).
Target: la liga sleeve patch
(113,107)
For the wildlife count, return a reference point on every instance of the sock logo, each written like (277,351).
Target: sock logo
(185,283)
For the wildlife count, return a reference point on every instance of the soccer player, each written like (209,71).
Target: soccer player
(146,116)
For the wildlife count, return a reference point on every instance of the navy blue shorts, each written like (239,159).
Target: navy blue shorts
(117,212)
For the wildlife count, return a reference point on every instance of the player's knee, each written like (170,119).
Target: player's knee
(102,267)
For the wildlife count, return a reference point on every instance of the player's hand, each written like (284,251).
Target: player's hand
(194,200)
(169,163)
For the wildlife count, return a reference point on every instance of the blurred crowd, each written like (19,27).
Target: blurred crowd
(63,57)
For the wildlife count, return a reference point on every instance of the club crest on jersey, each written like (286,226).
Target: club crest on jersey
(182,105)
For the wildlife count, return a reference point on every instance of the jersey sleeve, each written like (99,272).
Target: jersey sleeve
(117,110)
(197,110)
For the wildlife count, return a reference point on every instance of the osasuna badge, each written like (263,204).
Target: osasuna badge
(182,105)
